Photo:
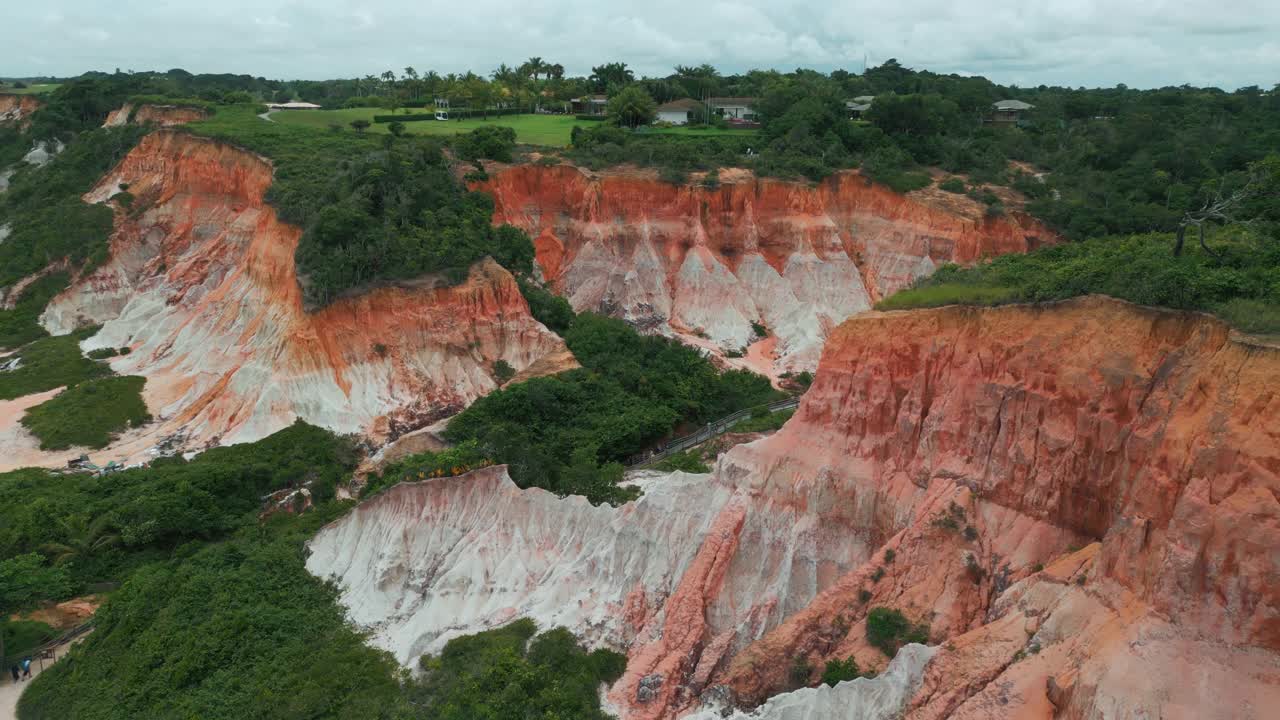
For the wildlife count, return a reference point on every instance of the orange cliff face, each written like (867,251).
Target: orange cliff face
(981,443)
(1081,500)
(161,115)
(201,286)
(705,264)
(17,109)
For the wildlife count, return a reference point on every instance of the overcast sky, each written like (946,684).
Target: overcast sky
(1142,43)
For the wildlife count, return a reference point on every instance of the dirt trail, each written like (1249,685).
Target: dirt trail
(11,691)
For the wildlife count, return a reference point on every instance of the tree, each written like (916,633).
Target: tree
(1262,183)
(396,128)
(24,581)
(610,75)
(534,67)
(360,124)
(632,107)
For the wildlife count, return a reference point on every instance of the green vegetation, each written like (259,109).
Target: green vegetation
(29,89)
(799,672)
(509,674)
(372,211)
(91,414)
(1238,284)
(217,615)
(888,629)
(837,671)
(631,107)
(764,421)
(546,307)
(18,638)
(568,433)
(43,209)
(689,461)
(50,363)
(237,628)
(20,325)
(493,142)
(459,459)
(545,130)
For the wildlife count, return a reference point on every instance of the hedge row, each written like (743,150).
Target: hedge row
(453,115)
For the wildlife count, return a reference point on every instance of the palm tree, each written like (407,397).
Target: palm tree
(82,538)
(535,66)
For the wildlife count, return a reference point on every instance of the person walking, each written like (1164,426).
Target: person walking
(13,670)
(26,667)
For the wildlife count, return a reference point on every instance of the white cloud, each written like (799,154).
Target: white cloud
(1073,42)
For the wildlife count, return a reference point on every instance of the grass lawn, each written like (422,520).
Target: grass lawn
(30,89)
(552,130)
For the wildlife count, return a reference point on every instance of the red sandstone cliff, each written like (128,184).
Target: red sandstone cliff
(161,115)
(201,286)
(18,108)
(1082,501)
(707,263)
(1152,433)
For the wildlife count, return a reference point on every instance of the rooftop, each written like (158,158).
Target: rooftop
(679,105)
(1012,105)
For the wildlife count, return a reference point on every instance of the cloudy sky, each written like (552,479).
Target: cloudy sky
(1142,43)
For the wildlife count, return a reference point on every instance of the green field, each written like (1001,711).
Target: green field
(552,130)
(29,90)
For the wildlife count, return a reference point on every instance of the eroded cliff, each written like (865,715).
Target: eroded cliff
(151,114)
(201,287)
(1081,500)
(706,263)
(17,109)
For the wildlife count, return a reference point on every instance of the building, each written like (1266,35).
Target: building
(736,110)
(859,105)
(293,106)
(678,112)
(589,105)
(1008,112)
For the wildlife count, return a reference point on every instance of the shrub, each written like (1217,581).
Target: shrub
(864,596)
(503,371)
(688,461)
(878,575)
(49,363)
(494,142)
(952,185)
(889,555)
(90,414)
(510,671)
(547,308)
(759,329)
(837,671)
(888,629)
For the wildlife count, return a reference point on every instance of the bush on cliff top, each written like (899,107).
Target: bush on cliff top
(372,210)
(1242,285)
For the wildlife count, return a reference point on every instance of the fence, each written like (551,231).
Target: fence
(45,651)
(710,430)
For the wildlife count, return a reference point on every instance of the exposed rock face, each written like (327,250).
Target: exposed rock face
(201,286)
(148,114)
(17,109)
(975,444)
(705,264)
(878,698)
